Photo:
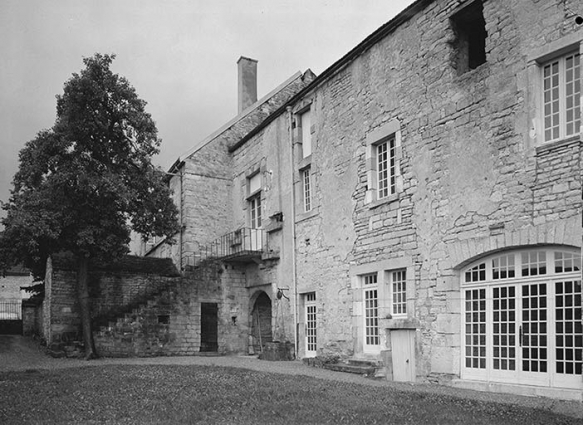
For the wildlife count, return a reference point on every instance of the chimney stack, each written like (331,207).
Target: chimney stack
(247,82)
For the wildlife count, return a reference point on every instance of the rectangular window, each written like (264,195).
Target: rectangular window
(386,168)
(306,189)
(534,263)
(306,123)
(371,310)
(399,292)
(561,86)
(255,209)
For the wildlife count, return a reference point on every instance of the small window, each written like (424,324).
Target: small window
(469,28)
(306,124)
(534,263)
(306,189)
(370,279)
(399,292)
(476,273)
(503,267)
(566,262)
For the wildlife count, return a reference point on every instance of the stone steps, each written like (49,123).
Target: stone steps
(351,367)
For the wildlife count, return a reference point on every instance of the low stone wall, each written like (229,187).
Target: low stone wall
(114,289)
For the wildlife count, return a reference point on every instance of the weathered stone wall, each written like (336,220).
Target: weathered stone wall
(470,171)
(113,291)
(170,322)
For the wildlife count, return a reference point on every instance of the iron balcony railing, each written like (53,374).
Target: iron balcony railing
(11,309)
(241,244)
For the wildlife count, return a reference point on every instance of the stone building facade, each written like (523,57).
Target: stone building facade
(418,203)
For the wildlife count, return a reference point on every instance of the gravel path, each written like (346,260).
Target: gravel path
(18,354)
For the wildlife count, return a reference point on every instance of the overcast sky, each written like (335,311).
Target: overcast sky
(180,55)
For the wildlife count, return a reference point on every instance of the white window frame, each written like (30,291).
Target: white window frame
(545,265)
(306,180)
(311,328)
(384,179)
(560,129)
(305,119)
(537,60)
(255,211)
(371,300)
(398,292)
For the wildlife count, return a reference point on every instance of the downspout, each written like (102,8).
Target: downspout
(293,231)
(180,250)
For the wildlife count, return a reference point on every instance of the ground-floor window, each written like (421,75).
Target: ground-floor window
(371,311)
(522,318)
(311,329)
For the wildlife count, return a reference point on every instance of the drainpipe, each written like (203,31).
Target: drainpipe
(180,249)
(293,231)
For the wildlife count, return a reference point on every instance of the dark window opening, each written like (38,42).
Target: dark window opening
(469,28)
(164,319)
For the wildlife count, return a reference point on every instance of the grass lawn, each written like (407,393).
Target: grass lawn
(218,395)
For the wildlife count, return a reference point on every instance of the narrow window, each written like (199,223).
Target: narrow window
(399,292)
(306,123)
(371,311)
(306,189)
(254,200)
(255,208)
(469,28)
(386,168)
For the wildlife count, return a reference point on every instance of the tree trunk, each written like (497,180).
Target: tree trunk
(85,307)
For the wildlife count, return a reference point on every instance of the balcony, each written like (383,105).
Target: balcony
(242,245)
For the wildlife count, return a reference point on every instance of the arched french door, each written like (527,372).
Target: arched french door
(261,332)
(522,318)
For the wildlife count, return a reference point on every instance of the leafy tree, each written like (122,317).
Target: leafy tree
(83,185)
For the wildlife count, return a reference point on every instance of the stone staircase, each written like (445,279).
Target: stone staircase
(143,331)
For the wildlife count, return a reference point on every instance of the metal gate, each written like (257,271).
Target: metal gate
(11,317)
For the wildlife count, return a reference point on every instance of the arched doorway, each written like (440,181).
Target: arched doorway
(261,322)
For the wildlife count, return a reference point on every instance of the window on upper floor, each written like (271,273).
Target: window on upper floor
(469,28)
(306,133)
(383,161)
(386,164)
(254,200)
(554,91)
(561,94)
(305,177)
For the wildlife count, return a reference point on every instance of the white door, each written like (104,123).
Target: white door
(403,355)
(311,329)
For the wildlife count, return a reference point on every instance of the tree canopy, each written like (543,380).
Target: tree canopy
(84,184)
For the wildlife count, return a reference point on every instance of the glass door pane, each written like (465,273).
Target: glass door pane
(534,332)
(568,333)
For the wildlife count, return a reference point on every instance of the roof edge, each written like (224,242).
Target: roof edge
(234,120)
(363,46)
